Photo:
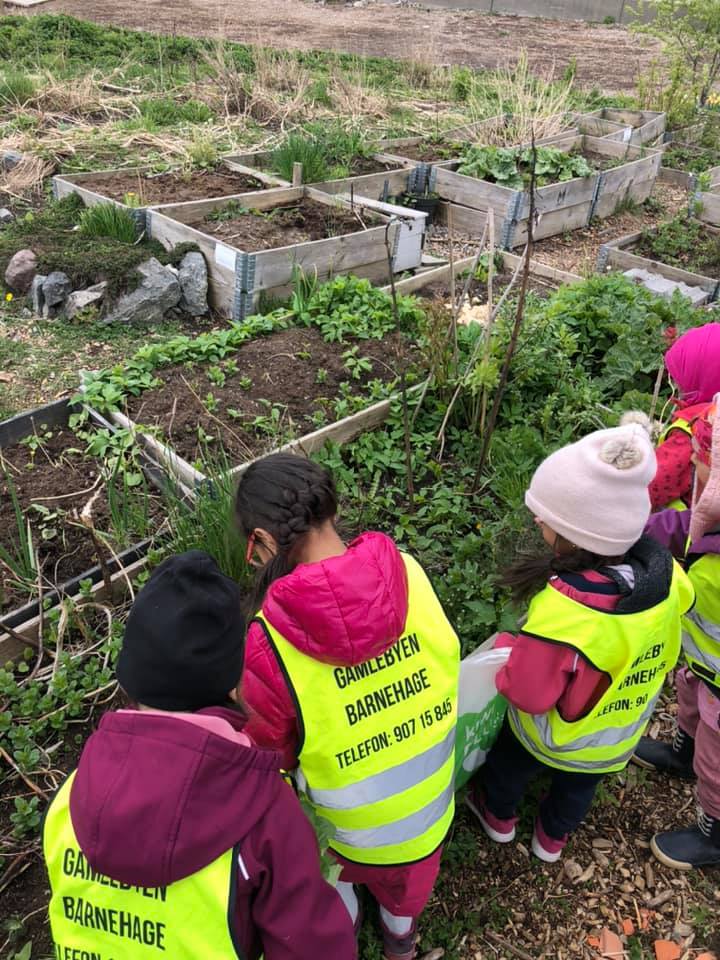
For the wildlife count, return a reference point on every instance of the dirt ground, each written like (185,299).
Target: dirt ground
(609,57)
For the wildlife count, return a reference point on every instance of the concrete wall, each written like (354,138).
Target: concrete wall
(591,10)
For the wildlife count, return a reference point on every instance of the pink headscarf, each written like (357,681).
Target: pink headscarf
(693,362)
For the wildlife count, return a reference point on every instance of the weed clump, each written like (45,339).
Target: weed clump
(16,88)
(108,220)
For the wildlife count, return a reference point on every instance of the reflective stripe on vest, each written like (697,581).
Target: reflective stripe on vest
(96,917)
(635,650)
(378,738)
(679,424)
(701,633)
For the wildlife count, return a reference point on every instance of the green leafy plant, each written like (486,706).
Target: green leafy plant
(356,365)
(510,166)
(348,306)
(108,220)
(683,242)
(690,33)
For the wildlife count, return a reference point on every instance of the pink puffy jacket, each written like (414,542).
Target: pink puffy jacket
(343,611)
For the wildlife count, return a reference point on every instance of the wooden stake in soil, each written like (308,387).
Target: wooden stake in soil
(488,327)
(403,381)
(519,316)
(297,175)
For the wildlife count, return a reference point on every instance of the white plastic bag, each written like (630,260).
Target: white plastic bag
(481,709)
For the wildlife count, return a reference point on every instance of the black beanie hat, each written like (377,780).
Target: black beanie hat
(184,639)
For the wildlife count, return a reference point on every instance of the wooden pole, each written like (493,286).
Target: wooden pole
(297,175)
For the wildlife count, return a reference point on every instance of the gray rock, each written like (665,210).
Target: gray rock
(21,270)
(6,216)
(665,288)
(158,292)
(36,294)
(82,299)
(193,277)
(55,290)
(10,159)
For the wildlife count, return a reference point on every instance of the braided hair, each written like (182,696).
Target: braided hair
(288,496)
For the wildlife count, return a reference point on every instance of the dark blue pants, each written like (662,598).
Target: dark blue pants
(508,770)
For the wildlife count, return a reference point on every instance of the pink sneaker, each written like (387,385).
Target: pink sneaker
(501,831)
(399,948)
(544,847)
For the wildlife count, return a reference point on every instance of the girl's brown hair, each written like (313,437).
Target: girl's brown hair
(531,571)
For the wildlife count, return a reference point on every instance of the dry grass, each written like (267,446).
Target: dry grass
(532,104)
(26,178)
(354,97)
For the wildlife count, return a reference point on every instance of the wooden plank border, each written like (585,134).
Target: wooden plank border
(618,255)
(237,277)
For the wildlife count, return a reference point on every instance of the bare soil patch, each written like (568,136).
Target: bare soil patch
(295,373)
(609,57)
(173,186)
(283,226)
(52,484)
(431,152)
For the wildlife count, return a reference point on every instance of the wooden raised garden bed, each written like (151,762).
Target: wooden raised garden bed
(634,253)
(290,389)
(48,479)
(648,126)
(623,173)
(253,243)
(146,188)
(259,163)
(706,203)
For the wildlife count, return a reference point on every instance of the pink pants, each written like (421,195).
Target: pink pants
(699,717)
(403,891)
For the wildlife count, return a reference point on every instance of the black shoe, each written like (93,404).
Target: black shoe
(675,758)
(693,847)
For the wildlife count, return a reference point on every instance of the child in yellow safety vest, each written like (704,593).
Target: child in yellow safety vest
(352,673)
(602,632)
(176,836)
(694,537)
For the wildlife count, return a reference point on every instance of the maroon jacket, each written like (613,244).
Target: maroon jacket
(156,798)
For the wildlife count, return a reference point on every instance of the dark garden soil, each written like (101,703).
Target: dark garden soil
(174,186)
(285,386)
(702,256)
(52,487)
(284,226)
(364,165)
(425,152)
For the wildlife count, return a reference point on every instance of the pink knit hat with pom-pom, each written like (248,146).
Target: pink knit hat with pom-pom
(594,492)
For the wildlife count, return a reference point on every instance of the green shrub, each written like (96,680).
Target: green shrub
(108,220)
(16,88)
(463,81)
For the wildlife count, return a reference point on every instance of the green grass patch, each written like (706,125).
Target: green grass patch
(107,220)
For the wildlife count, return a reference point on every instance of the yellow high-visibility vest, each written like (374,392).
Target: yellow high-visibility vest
(686,427)
(635,650)
(701,625)
(94,917)
(378,738)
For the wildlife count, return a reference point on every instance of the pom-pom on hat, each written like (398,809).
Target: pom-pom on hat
(594,492)
(184,639)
